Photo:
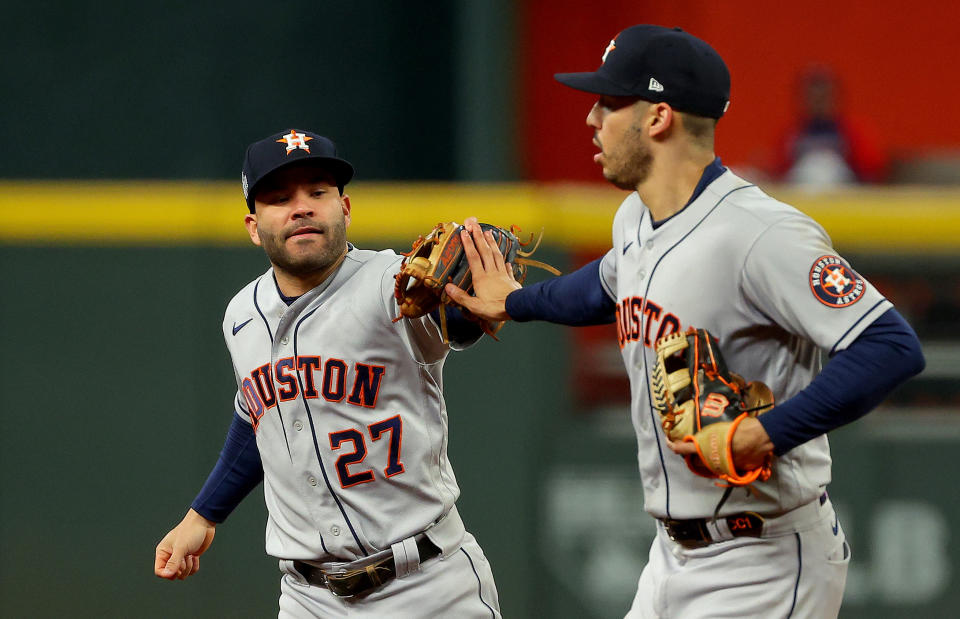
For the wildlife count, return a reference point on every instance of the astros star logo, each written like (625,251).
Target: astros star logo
(295,140)
(836,278)
(610,48)
(834,283)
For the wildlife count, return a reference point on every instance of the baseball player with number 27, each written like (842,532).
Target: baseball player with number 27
(339,411)
(697,247)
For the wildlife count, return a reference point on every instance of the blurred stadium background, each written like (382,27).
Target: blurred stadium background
(122,136)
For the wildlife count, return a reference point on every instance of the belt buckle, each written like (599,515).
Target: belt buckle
(353,583)
(341,585)
(672,527)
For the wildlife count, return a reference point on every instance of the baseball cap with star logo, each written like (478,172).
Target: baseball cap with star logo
(287,147)
(659,64)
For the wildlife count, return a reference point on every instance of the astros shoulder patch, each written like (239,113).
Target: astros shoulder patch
(834,283)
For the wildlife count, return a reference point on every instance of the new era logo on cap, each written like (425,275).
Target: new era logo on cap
(655,86)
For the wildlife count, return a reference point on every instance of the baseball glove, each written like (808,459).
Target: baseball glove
(702,402)
(438,259)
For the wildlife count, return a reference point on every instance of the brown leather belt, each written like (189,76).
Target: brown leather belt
(360,581)
(695,534)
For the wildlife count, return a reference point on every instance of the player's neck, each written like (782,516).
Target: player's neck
(293,285)
(671,181)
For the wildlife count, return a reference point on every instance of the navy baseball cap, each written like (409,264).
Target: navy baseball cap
(287,147)
(660,64)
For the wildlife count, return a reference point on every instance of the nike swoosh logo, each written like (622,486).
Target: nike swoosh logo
(627,246)
(236,327)
(836,524)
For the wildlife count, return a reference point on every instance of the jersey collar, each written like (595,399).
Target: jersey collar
(290,300)
(710,173)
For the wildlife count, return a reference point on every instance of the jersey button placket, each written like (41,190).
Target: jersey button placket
(298,425)
(335,530)
(312,480)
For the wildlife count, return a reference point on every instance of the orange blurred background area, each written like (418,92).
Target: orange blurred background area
(895,64)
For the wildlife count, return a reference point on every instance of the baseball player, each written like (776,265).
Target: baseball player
(339,411)
(694,245)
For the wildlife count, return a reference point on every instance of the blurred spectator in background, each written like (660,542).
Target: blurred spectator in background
(827,146)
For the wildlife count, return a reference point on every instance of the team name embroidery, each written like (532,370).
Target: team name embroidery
(296,140)
(632,313)
(834,283)
(331,379)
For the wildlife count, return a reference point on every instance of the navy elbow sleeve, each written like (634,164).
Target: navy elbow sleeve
(576,299)
(851,384)
(237,472)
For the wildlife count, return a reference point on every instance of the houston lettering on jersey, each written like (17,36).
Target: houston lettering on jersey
(333,380)
(636,319)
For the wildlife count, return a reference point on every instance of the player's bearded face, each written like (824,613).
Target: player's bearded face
(301,221)
(625,154)
(302,254)
(629,162)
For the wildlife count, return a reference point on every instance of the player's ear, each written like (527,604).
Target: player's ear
(345,207)
(660,117)
(250,221)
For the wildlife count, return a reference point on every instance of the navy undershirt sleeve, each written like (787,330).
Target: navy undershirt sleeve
(237,472)
(576,299)
(460,329)
(852,383)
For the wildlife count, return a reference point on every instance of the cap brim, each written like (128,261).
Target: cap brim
(593,82)
(341,170)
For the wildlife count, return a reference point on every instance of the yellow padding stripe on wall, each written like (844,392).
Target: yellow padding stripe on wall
(572,216)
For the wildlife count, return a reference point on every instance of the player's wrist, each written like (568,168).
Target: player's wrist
(751,445)
(515,295)
(195,517)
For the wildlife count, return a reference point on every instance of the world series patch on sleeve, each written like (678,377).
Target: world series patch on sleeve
(700,401)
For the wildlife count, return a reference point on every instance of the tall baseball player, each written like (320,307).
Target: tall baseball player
(339,411)
(694,245)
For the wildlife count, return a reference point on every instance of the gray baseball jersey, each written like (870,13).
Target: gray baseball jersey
(763,278)
(348,411)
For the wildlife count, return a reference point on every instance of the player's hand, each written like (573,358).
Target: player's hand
(751,445)
(492,277)
(178,553)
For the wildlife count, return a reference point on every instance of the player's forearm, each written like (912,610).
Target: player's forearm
(853,382)
(576,299)
(237,472)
